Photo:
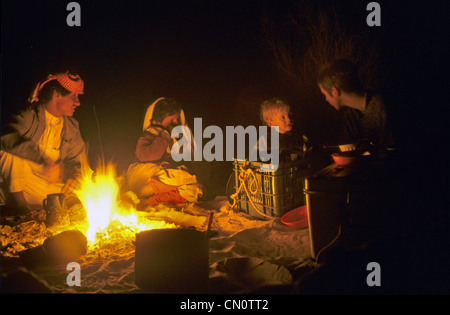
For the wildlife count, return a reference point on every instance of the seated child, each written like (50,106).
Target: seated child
(155,177)
(275,113)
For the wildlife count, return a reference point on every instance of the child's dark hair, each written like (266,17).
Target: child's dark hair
(165,107)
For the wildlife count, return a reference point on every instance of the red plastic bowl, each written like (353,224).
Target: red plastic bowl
(344,158)
(297,218)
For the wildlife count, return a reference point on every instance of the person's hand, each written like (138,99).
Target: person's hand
(165,134)
(167,137)
(71,185)
(52,172)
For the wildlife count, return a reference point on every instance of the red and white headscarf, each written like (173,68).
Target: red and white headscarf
(70,82)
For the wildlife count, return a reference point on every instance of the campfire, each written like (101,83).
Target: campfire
(109,224)
(107,217)
(105,213)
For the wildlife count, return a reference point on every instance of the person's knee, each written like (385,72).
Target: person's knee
(146,191)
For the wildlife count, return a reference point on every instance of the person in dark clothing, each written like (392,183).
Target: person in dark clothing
(364,112)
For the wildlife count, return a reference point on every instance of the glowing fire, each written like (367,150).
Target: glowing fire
(99,194)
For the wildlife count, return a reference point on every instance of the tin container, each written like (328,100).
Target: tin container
(172,261)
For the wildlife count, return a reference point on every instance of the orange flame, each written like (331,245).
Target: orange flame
(99,193)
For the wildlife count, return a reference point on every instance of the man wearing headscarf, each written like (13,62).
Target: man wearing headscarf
(155,177)
(42,150)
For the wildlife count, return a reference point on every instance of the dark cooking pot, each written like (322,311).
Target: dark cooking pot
(171,261)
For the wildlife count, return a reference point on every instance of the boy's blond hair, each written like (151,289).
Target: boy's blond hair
(269,108)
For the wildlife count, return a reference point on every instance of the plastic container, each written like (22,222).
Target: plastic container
(277,192)
(344,158)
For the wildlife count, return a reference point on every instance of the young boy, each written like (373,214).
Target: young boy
(275,113)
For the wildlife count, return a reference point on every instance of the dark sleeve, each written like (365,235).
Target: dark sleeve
(385,137)
(376,123)
(352,132)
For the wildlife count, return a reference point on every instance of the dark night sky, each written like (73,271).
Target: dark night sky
(209,55)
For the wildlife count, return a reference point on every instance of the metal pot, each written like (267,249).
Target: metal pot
(171,261)
(54,205)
